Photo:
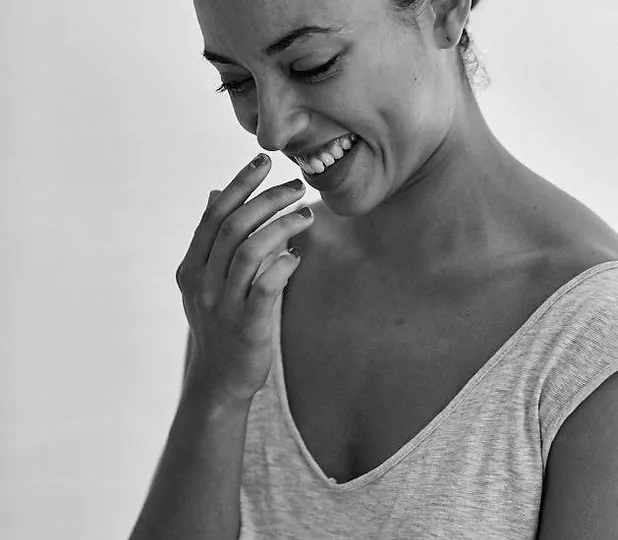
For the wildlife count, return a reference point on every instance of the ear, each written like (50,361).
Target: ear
(450,20)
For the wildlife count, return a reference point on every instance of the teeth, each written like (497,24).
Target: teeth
(316,165)
(327,157)
(336,150)
(346,144)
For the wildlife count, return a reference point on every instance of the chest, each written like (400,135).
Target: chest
(368,363)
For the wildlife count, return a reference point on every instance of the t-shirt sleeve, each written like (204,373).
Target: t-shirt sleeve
(245,533)
(580,353)
(247,526)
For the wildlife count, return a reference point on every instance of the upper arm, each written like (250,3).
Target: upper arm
(580,495)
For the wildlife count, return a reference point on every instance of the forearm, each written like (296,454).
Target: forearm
(195,492)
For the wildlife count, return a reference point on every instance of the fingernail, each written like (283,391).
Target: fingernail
(305,212)
(259,161)
(295,184)
(293,250)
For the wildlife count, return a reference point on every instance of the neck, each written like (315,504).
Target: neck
(460,204)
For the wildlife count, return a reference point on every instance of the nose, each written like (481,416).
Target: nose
(279,117)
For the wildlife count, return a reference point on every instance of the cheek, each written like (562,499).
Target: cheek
(411,95)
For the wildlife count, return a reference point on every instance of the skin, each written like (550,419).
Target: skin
(429,191)
(438,183)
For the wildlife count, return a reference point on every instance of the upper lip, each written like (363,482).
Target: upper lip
(293,151)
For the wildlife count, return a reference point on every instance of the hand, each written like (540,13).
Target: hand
(230,314)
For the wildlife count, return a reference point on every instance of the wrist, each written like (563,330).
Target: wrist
(211,399)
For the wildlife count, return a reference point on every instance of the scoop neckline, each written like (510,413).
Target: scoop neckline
(442,415)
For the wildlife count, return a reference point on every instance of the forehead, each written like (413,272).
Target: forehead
(237,27)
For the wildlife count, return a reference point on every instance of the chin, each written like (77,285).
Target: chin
(349,203)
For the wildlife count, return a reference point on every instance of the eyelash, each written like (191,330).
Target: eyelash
(315,76)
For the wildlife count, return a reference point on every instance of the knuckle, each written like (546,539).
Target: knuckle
(190,281)
(264,288)
(273,195)
(230,228)
(247,253)
(180,276)
(294,220)
(244,180)
(208,301)
(211,214)
(207,214)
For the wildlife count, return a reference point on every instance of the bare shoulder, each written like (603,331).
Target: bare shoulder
(587,235)
(572,235)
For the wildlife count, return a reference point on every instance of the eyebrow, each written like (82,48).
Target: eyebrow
(281,44)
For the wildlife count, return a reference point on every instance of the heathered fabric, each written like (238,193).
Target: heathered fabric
(476,470)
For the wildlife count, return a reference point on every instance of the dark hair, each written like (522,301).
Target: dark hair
(409,10)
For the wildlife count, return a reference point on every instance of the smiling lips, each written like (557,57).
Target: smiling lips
(326,156)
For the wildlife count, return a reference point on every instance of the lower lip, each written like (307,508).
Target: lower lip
(336,174)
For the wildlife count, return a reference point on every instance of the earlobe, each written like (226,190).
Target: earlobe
(450,39)
(451,18)
(456,19)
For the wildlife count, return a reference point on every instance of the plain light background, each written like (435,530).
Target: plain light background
(111,138)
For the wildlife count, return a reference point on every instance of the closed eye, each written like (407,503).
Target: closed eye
(311,76)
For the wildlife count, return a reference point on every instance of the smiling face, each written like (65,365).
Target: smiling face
(394,87)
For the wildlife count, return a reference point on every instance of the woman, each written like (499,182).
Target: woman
(444,355)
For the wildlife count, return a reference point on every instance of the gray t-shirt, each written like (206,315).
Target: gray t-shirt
(476,470)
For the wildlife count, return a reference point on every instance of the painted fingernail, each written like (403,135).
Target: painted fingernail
(259,161)
(305,212)
(294,184)
(293,250)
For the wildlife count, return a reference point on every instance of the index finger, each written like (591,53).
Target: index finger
(233,196)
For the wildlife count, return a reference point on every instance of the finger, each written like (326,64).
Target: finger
(196,248)
(239,226)
(251,257)
(212,196)
(257,318)
(219,207)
